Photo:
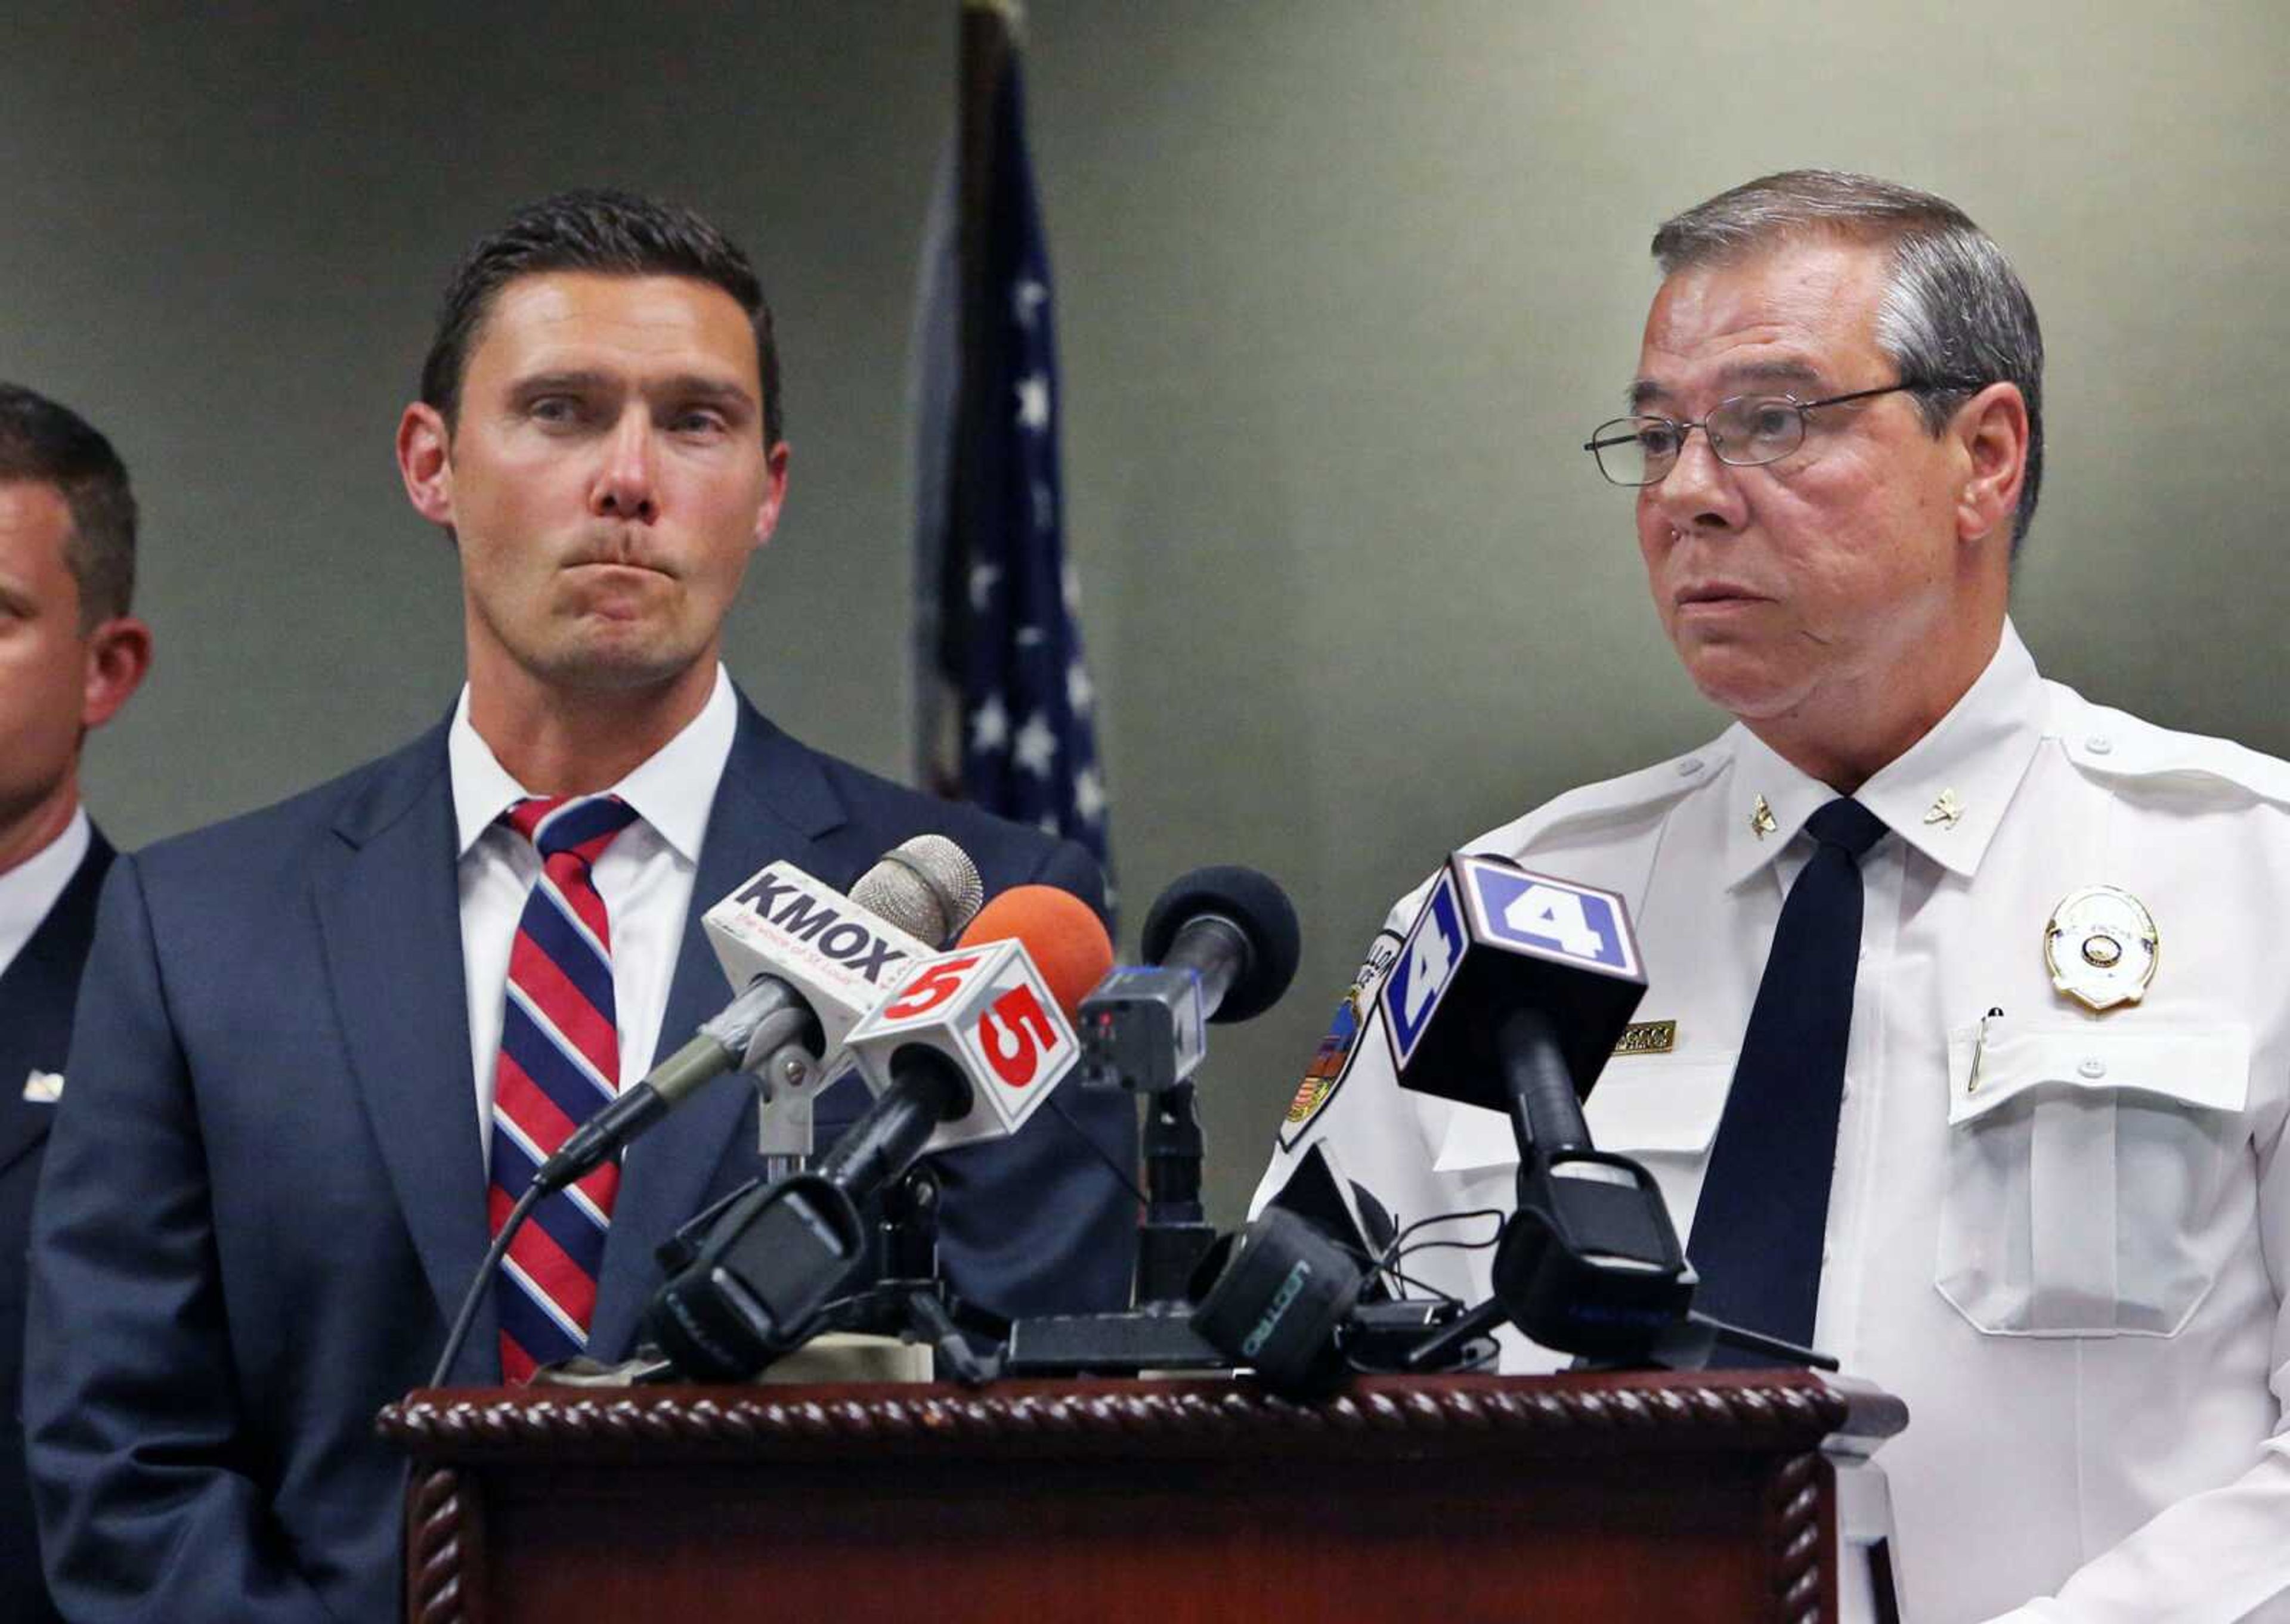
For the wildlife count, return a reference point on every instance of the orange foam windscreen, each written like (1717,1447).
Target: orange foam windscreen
(1062,933)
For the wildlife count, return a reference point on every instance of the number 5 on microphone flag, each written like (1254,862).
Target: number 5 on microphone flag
(988,1011)
(1006,714)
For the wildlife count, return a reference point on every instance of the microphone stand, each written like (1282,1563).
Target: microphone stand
(851,1245)
(1588,1263)
(1176,1234)
(1155,1333)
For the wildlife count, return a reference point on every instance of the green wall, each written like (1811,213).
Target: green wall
(1342,286)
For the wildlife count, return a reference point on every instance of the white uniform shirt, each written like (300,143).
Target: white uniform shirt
(2073,1267)
(645,878)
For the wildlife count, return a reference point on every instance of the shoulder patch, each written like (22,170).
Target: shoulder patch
(1332,1061)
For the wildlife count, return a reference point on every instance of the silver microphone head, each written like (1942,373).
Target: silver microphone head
(927,886)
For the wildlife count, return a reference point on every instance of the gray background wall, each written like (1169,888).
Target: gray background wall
(1340,287)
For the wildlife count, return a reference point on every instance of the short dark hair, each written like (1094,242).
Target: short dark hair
(52,444)
(1954,309)
(615,233)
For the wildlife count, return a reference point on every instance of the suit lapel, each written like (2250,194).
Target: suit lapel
(38,995)
(771,805)
(389,915)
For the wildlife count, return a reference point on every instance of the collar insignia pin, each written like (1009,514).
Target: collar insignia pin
(43,1087)
(1761,820)
(1946,810)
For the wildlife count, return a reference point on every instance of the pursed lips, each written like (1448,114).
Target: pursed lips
(614,559)
(1714,593)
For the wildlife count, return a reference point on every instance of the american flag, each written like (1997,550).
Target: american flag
(1007,712)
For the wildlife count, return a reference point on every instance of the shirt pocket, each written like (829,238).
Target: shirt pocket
(2081,1164)
(1646,1108)
(1660,1111)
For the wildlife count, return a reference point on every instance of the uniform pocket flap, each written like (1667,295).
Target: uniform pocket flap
(2203,1068)
(1659,1105)
(1654,1106)
(1475,1140)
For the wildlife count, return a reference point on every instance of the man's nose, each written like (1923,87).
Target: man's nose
(1699,492)
(627,486)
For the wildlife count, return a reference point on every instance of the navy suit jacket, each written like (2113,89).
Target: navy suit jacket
(36,995)
(264,1197)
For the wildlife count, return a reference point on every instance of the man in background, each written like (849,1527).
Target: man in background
(1915,1078)
(70,656)
(323,1046)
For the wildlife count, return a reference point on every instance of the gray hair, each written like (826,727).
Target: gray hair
(1954,310)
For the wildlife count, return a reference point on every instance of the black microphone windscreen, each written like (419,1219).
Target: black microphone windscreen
(1257,906)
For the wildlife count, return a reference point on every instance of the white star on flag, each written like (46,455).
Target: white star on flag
(1034,403)
(1045,505)
(1089,796)
(1028,636)
(1080,695)
(990,726)
(983,578)
(1069,583)
(1025,298)
(1036,746)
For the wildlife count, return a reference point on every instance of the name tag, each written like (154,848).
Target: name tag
(1648,1038)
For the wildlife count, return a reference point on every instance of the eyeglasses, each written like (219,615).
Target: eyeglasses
(1747,431)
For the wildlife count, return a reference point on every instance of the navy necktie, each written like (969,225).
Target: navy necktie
(1765,1201)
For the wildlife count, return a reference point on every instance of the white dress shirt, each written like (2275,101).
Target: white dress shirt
(2073,1263)
(29,890)
(645,878)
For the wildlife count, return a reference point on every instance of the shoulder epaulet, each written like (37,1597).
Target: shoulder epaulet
(1590,806)
(2114,744)
(1613,800)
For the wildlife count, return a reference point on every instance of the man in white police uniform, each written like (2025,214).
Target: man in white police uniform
(2057,1218)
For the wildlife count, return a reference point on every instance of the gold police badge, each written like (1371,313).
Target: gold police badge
(2100,946)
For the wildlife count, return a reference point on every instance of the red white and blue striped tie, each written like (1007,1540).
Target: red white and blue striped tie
(560,1061)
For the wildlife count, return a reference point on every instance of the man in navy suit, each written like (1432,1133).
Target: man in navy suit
(268,1189)
(71,655)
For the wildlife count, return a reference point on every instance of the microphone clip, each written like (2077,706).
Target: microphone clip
(1590,1262)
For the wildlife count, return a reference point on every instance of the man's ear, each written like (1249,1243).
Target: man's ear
(425,462)
(775,472)
(1992,428)
(118,656)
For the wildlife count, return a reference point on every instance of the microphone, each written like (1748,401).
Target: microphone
(1492,939)
(1510,992)
(809,961)
(1301,1296)
(995,1009)
(969,1044)
(1221,944)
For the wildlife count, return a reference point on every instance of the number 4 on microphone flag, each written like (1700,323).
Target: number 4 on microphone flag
(1005,710)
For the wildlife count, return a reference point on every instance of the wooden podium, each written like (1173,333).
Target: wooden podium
(1644,1496)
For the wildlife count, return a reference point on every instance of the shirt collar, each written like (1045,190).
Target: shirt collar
(673,789)
(1944,796)
(29,890)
